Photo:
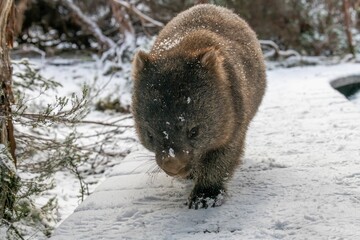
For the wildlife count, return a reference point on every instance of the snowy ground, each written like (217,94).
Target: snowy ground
(300,178)
(356,98)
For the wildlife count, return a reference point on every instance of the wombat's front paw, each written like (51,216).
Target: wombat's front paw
(206,198)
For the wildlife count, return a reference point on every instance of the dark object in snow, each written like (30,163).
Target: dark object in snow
(348,85)
(195,94)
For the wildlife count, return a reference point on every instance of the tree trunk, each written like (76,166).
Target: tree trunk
(347,26)
(21,7)
(8,178)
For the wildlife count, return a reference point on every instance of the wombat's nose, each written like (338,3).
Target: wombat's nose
(173,165)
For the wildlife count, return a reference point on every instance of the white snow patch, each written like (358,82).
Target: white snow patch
(186,151)
(171,152)
(168,43)
(355,98)
(166,135)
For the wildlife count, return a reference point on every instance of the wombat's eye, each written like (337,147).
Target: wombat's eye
(193,133)
(150,136)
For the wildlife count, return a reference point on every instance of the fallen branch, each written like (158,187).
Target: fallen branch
(277,53)
(27,49)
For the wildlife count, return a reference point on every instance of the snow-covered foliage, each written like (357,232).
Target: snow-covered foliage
(310,27)
(6,159)
(65,147)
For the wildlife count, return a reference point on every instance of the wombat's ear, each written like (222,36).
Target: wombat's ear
(141,58)
(210,58)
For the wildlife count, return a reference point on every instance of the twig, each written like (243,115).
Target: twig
(61,119)
(11,226)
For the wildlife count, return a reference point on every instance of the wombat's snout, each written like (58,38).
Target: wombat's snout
(176,165)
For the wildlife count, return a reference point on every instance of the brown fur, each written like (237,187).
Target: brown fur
(195,94)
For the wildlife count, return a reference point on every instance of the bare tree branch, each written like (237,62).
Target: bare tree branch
(126,27)
(62,119)
(135,11)
(88,25)
(121,17)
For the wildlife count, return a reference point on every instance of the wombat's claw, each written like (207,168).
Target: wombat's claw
(205,202)
(197,203)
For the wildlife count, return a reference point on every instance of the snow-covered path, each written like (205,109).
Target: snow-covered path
(300,178)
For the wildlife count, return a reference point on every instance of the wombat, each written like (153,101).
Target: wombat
(194,96)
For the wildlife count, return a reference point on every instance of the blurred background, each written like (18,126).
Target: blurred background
(311,27)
